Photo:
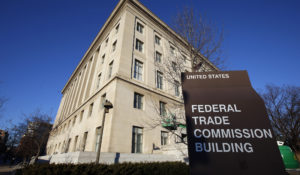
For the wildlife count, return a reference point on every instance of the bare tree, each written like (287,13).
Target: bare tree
(31,135)
(283,107)
(200,51)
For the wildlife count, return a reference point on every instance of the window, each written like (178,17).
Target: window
(81,115)
(158,57)
(98,80)
(98,132)
(164,138)
(157,40)
(138,101)
(106,42)
(184,58)
(74,121)
(91,109)
(137,140)
(139,27)
(174,65)
(110,69)
(103,98)
(159,80)
(139,45)
(69,124)
(68,145)
(162,108)
(103,58)
(84,140)
(172,50)
(117,28)
(114,46)
(176,88)
(75,143)
(138,70)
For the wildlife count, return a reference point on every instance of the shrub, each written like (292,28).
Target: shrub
(154,168)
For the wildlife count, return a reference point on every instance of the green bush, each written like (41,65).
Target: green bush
(155,168)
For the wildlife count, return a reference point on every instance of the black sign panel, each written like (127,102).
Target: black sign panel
(227,125)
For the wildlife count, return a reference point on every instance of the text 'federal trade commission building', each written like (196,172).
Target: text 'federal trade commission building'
(122,66)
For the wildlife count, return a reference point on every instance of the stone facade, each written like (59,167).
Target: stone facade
(120,66)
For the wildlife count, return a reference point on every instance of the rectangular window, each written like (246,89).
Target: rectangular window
(75,143)
(138,70)
(137,140)
(138,101)
(158,57)
(81,115)
(159,80)
(98,81)
(74,121)
(157,40)
(98,133)
(117,28)
(84,140)
(103,98)
(103,58)
(176,88)
(164,138)
(174,65)
(91,109)
(68,145)
(110,69)
(139,27)
(139,45)
(114,46)
(162,108)
(184,58)
(106,42)
(172,50)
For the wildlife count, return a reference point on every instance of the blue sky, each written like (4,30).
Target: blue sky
(41,42)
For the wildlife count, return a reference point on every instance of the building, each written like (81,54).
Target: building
(121,66)
(3,140)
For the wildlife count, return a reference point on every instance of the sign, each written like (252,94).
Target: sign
(227,126)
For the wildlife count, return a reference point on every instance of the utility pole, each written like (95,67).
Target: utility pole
(107,105)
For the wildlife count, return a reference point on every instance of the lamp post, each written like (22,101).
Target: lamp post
(107,105)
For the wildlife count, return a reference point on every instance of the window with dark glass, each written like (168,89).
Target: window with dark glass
(158,57)
(139,27)
(159,80)
(137,140)
(162,108)
(138,101)
(138,70)
(157,40)
(139,45)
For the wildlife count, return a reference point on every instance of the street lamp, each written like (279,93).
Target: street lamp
(107,105)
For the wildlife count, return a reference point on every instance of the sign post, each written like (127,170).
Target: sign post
(227,126)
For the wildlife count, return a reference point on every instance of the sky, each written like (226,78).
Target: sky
(41,43)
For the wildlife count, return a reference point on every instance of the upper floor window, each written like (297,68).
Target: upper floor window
(158,57)
(117,28)
(138,101)
(103,58)
(139,45)
(174,65)
(98,81)
(110,69)
(81,115)
(184,58)
(91,109)
(159,80)
(157,40)
(138,70)
(176,88)
(114,46)
(162,108)
(172,50)
(106,42)
(139,27)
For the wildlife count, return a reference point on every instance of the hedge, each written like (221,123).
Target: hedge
(155,168)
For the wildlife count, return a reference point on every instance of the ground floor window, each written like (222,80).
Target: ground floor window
(137,139)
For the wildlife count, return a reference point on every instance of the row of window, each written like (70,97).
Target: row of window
(138,74)
(139,101)
(137,142)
